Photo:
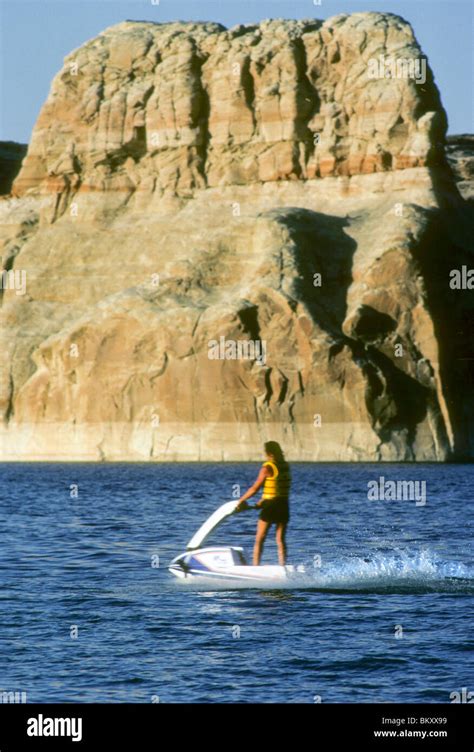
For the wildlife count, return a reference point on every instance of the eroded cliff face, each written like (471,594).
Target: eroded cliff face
(187,183)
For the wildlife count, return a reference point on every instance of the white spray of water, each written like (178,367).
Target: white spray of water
(418,571)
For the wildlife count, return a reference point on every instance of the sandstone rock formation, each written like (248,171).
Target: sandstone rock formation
(186,182)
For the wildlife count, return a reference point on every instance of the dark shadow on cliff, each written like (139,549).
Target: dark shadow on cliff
(11,158)
(447,245)
(323,255)
(397,402)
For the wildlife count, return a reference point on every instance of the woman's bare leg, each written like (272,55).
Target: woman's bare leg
(281,542)
(262,530)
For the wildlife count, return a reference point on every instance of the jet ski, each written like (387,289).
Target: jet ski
(223,562)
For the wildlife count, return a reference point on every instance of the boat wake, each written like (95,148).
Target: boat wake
(400,572)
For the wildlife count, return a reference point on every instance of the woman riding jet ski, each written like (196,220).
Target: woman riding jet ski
(275,478)
(228,562)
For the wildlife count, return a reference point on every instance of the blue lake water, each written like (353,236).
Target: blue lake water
(86,617)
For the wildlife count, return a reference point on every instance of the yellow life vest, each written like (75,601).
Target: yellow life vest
(278,486)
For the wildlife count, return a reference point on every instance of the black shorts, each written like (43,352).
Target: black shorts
(275,510)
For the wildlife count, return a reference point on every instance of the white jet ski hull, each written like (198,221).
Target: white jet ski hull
(226,563)
(223,562)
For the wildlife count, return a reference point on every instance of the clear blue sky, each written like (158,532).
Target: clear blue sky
(36,35)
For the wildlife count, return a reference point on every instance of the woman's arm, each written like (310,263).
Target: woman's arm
(264,473)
